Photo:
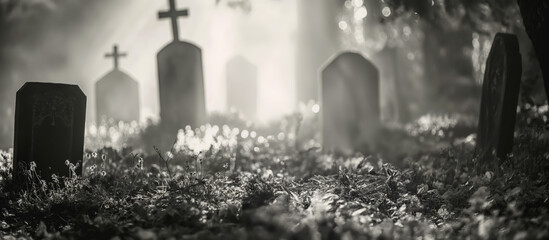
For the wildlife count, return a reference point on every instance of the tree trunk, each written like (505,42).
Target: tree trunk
(535,15)
(431,45)
(318,40)
(400,88)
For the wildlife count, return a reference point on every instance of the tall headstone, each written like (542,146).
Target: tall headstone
(181,83)
(49,128)
(242,87)
(117,94)
(350,107)
(500,91)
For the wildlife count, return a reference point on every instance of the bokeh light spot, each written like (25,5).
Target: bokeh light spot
(315,108)
(342,25)
(386,11)
(361,13)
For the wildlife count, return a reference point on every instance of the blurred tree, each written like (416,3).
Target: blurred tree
(483,16)
(22,25)
(4,81)
(317,41)
(535,15)
(396,43)
(7,81)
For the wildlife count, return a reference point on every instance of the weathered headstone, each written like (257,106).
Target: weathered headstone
(242,87)
(181,83)
(500,91)
(117,94)
(349,103)
(49,128)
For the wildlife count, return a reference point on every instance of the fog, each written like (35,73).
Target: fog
(65,41)
(424,66)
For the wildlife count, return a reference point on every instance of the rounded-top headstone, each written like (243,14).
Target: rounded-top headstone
(117,97)
(181,85)
(350,102)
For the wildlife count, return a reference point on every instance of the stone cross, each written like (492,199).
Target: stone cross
(500,91)
(117,94)
(115,55)
(49,129)
(173,14)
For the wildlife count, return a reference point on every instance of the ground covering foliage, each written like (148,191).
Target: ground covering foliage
(235,181)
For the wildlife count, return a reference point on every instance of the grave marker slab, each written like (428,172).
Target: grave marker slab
(117,94)
(242,87)
(500,91)
(350,107)
(181,82)
(49,128)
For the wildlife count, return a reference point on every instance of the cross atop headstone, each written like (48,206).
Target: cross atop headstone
(180,79)
(173,13)
(115,55)
(117,94)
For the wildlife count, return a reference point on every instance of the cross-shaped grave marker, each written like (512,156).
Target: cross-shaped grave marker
(180,79)
(115,55)
(117,94)
(173,14)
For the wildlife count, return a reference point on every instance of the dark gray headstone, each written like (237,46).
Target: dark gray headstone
(117,94)
(349,102)
(181,82)
(242,87)
(49,128)
(500,91)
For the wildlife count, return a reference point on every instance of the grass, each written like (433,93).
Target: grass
(222,181)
